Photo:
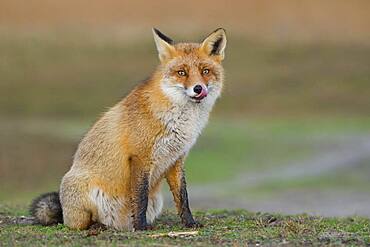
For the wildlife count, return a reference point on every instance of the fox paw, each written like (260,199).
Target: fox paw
(143,228)
(193,224)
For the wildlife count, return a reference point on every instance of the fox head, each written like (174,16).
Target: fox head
(191,72)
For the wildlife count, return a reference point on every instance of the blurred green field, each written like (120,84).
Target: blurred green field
(36,153)
(80,74)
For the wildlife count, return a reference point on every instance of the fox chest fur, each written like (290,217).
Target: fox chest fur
(182,126)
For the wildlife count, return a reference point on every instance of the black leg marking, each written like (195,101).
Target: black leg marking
(185,212)
(141,203)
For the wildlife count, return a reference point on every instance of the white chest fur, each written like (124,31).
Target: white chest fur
(183,124)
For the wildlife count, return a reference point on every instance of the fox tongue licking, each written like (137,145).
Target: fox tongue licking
(202,94)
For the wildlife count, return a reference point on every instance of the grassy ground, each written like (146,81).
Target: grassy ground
(236,228)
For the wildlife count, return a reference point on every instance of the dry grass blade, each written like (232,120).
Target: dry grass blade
(175,234)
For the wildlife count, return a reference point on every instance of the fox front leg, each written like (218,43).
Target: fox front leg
(177,183)
(139,194)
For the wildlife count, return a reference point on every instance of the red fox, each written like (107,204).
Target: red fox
(120,163)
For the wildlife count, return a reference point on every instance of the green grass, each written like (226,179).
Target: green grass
(221,227)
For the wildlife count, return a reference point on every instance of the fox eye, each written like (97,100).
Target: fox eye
(205,72)
(181,73)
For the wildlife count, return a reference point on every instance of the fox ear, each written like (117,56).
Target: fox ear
(164,45)
(215,43)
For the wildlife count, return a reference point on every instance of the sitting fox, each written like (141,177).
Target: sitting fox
(120,163)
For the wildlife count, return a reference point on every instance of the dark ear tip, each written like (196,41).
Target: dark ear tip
(156,31)
(220,29)
(163,36)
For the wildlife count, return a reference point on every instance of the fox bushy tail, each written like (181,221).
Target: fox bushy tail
(47,209)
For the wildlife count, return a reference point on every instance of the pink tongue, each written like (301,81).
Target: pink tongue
(203,94)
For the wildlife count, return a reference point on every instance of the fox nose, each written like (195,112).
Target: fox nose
(198,89)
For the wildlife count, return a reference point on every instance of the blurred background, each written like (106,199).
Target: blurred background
(290,134)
